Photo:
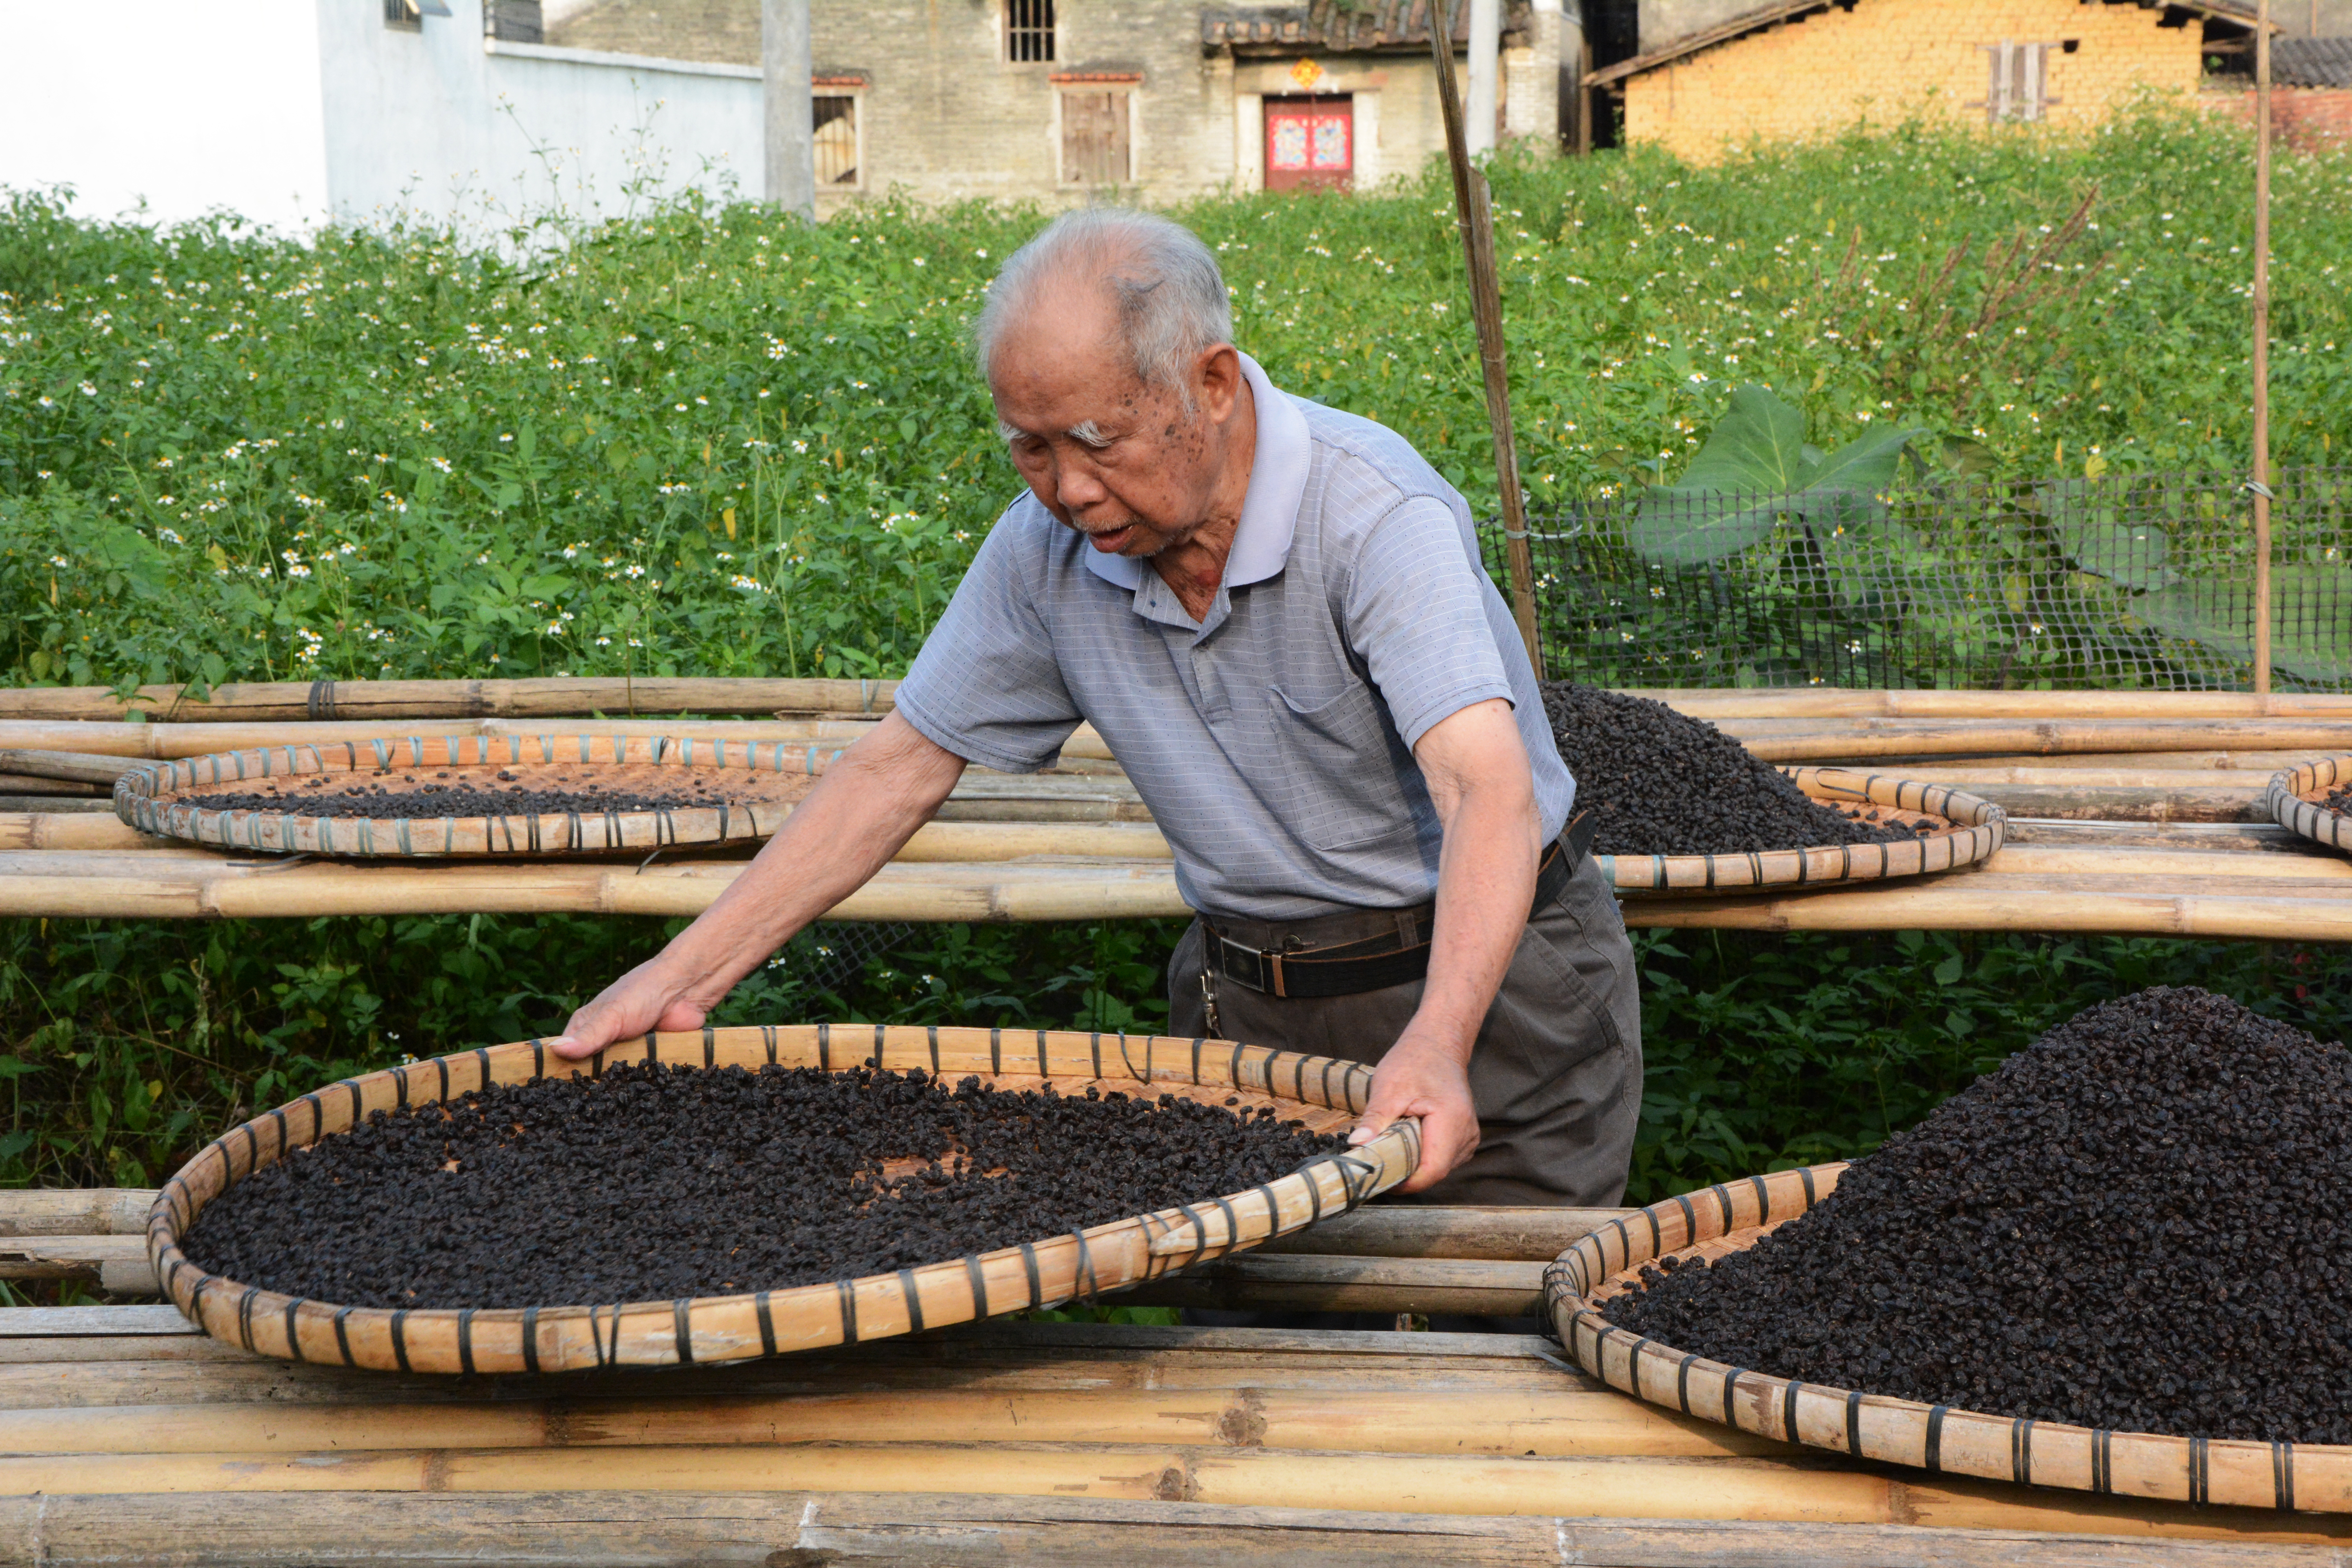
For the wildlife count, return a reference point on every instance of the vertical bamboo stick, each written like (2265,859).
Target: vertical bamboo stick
(2262,348)
(1473,213)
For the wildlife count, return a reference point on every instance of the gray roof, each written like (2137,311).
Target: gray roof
(2312,62)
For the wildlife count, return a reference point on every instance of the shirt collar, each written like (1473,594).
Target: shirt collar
(1270,506)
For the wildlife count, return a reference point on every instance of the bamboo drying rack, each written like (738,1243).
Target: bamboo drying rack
(1966,830)
(2296,798)
(749,778)
(1733,1216)
(703,1330)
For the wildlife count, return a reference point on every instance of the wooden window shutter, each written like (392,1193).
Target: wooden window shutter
(1094,139)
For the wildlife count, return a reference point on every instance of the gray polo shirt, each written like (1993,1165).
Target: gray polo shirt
(1273,738)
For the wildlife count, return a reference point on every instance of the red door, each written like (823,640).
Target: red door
(1310,141)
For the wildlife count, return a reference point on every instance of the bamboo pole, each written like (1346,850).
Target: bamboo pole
(1803,738)
(167,742)
(672,1529)
(75,767)
(1817,1493)
(1610,1488)
(2147,908)
(161,888)
(1474,216)
(71,830)
(546,698)
(1832,702)
(38,784)
(2262,486)
(1562,1421)
(75,1211)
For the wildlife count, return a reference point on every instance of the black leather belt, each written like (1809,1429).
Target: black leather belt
(1376,962)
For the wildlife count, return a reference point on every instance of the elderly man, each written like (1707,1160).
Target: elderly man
(1276,615)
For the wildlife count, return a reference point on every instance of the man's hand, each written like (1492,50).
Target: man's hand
(1477,767)
(864,809)
(1426,1076)
(653,995)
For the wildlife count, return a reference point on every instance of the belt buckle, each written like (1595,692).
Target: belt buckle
(1259,969)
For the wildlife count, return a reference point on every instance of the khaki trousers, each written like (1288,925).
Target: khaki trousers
(1557,1071)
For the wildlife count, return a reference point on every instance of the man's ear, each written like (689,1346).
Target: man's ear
(1217,380)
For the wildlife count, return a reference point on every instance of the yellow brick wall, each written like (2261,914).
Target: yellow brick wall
(1887,60)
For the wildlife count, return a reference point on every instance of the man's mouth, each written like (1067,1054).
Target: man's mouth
(1109,541)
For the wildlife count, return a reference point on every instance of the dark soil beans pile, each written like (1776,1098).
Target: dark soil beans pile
(2340,800)
(1664,784)
(2137,1223)
(654,1183)
(431,798)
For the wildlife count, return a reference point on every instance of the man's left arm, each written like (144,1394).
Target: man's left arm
(1475,764)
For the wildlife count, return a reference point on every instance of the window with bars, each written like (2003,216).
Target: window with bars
(2020,89)
(1028,30)
(404,15)
(1093,138)
(837,157)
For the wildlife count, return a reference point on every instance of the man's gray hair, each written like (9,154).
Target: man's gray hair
(1169,294)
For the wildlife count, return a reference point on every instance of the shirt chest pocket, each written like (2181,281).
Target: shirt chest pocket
(1342,784)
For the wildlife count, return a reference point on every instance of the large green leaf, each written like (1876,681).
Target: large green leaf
(1756,449)
(1755,468)
(1867,464)
(2088,520)
(2311,619)
(1678,525)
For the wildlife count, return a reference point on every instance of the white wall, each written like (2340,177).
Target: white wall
(436,122)
(183,105)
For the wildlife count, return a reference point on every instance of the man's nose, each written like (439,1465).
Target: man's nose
(1076,483)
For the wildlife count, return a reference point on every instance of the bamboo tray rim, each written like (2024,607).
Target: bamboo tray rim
(141,794)
(1031,1275)
(1975,828)
(2289,800)
(1942,1439)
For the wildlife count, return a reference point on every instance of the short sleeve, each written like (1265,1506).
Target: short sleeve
(1416,614)
(986,685)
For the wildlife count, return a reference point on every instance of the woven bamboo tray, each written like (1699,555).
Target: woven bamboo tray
(1733,1216)
(1324,1093)
(751,785)
(1966,829)
(2294,800)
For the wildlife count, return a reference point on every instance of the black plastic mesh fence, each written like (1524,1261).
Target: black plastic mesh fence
(2137,581)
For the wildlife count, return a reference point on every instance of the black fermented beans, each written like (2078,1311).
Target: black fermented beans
(652,1182)
(1661,783)
(2137,1223)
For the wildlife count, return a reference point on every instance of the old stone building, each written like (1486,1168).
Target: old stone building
(1155,100)
(1712,74)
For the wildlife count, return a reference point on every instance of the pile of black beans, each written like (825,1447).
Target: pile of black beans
(505,796)
(654,1182)
(2136,1223)
(1661,783)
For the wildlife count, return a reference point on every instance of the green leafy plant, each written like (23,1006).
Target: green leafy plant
(1756,469)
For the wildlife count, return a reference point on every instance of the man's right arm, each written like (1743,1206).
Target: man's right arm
(861,813)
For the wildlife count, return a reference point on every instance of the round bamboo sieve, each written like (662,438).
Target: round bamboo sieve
(1734,1216)
(2294,801)
(1325,1093)
(750,787)
(1966,829)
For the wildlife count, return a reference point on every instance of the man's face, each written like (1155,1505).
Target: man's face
(1124,464)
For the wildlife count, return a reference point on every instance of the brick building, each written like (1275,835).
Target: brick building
(1800,67)
(1157,100)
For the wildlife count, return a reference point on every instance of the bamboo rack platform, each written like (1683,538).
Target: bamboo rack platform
(2162,879)
(136,1442)
(134,1439)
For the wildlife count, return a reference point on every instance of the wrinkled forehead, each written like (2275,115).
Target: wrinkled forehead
(1058,366)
